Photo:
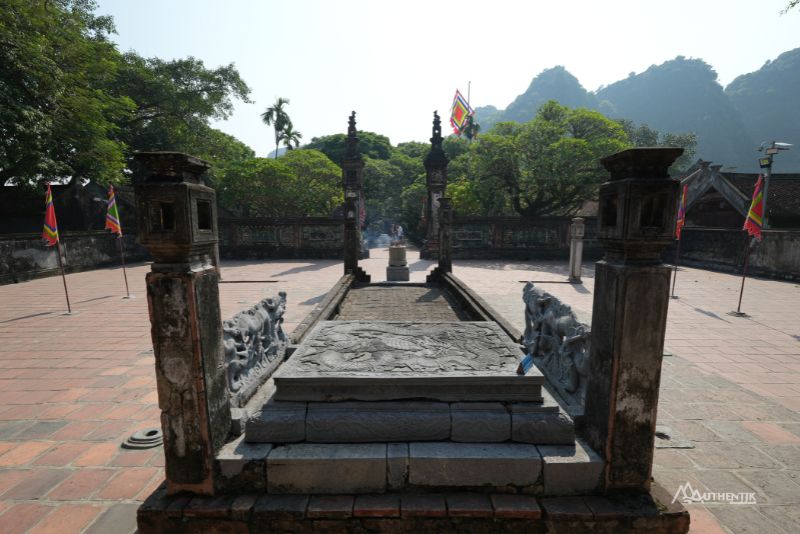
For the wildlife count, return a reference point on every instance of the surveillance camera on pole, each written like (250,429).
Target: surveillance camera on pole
(766,163)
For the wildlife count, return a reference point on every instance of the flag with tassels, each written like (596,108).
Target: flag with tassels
(50,230)
(459,113)
(681,213)
(112,214)
(755,215)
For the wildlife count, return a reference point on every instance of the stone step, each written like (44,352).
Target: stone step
(383,467)
(542,423)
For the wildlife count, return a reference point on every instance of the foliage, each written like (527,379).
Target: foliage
(72,106)
(643,135)
(550,165)
(58,117)
(290,137)
(300,183)
(276,116)
(370,144)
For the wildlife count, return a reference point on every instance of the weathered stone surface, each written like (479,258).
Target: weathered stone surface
(473,464)
(396,465)
(319,468)
(530,424)
(363,422)
(278,422)
(254,344)
(374,360)
(397,274)
(480,422)
(558,341)
(242,466)
(570,469)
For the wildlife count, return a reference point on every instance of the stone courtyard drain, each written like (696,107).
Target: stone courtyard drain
(144,439)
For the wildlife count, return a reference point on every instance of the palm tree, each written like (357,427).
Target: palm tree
(277,117)
(290,136)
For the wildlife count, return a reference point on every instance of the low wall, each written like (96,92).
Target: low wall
(777,255)
(25,256)
(517,238)
(288,237)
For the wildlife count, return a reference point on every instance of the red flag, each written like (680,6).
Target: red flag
(753,222)
(681,213)
(50,230)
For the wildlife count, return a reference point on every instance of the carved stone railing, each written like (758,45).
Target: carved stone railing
(559,344)
(254,344)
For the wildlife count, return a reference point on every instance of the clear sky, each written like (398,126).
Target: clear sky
(395,61)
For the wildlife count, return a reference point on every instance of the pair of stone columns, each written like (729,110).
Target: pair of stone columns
(177,223)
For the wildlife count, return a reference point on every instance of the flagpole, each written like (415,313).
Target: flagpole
(124,272)
(738,312)
(63,276)
(675,272)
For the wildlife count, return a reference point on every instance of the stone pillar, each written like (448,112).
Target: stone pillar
(177,223)
(436,181)
(351,244)
(629,315)
(445,235)
(576,233)
(352,177)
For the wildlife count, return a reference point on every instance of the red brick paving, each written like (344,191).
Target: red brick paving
(73,387)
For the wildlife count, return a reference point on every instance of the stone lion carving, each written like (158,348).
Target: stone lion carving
(254,344)
(558,342)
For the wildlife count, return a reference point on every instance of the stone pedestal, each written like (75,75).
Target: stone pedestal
(397,271)
(177,224)
(629,316)
(576,233)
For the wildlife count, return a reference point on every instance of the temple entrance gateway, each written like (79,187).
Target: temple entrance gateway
(388,390)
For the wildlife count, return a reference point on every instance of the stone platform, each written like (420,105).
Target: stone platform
(651,512)
(382,360)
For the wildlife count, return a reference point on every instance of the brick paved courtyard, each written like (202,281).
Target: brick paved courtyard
(73,387)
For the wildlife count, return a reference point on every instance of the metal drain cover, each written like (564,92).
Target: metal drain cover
(144,439)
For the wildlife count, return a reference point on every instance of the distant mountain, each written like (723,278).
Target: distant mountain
(683,95)
(768,101)
(551,84)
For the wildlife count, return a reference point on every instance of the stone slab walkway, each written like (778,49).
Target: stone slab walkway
(73,387)
(398,303)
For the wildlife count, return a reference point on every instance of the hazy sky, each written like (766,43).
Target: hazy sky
(394,62)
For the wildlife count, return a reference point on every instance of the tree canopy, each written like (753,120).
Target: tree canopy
(370,144)
(73,107)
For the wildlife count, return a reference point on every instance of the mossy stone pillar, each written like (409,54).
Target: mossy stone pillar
(629,316)
(177,223)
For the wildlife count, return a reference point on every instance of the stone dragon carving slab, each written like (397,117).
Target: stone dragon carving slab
(254,344)
(558,342)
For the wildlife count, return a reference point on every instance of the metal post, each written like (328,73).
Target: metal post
(675,272)
(124,272)
(63,276)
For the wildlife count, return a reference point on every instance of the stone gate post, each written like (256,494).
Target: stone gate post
(436,181)
(445,235)
(177,223)
(576,233)
(352,179)
(629,315)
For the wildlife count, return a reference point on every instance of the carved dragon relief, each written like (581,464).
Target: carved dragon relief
(558,342)
(254,344)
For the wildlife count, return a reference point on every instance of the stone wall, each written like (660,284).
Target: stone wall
(287,237)
(25,256)
(517,238)
(776,256)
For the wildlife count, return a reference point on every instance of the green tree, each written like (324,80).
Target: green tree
(643,135)
(174,100)
(290,137)
(370,144)
(550,165)
(276,116)
(301,183)
(58,117)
